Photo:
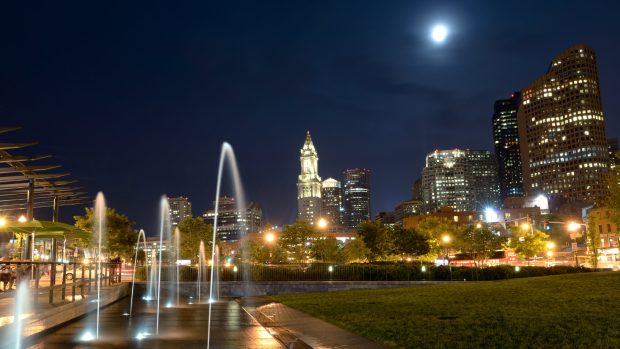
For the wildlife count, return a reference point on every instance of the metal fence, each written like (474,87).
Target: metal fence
(62,281)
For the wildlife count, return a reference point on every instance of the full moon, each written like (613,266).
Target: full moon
(439,33)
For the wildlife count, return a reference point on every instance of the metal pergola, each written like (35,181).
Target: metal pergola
(26,184)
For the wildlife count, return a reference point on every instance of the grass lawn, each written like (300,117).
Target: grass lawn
(561,311)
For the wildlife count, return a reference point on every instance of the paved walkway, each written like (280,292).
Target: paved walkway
(300,330)
(184,327)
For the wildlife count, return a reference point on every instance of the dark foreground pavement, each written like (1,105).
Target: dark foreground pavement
(179,328)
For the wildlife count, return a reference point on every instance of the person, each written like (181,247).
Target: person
(5,277)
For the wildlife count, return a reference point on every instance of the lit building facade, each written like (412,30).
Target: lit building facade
(180,208)
(331,198)
(464,180)
(506,139)
(612,146)
(309,183)
(232,222)
(564,149)
(356,197)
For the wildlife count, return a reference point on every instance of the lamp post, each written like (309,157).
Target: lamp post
(573,227)
(269,239)
(446,241)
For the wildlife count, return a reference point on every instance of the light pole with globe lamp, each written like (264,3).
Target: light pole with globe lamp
(446,242)
(573,227)
(269,239)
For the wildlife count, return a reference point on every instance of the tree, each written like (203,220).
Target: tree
(409,242)
(593,236)
(613,199)
(433,229)
(526,244)
(355,250)
(478,241)
(328,250)
(119,238)
(192,231)
(296,239)
(376,237)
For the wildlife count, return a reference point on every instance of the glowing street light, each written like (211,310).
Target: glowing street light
(322,223)
(572,226)
(550,245)
(525,226)
(2,221)
(22,219)
(446,239)
(269,237)
(479,225)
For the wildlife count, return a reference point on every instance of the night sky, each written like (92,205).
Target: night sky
(135,99)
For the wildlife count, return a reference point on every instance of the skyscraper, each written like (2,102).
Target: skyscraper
(564,149)
(309,183)
(356,197)
(180,208)
(331,198)
(484,175)
(465,180)
(232,223)
(506,138)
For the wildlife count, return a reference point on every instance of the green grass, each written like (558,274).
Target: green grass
(561,311)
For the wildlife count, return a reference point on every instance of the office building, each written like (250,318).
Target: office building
(332,209)
(356,197)
(564,149)
(180,208)
(233,222)
(506,139)
(465,180)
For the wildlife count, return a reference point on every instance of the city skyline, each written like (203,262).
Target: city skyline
(415,86)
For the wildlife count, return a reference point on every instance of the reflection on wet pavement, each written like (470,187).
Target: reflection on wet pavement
(181,327)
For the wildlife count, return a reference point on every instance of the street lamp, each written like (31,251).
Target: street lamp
(573,227)
(322,223)
(525,226)
(2,221)
(446,241)
(22,219)
(269,239)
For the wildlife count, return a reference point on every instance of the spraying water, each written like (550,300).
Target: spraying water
(152,294)
(135,265)
(19,310)
(177,245)
(226,153)
(99,225)
(202,269)
(164,230)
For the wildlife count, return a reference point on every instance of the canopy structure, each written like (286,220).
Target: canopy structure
(25,187)
(47,229)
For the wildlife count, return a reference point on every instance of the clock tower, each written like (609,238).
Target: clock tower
(309,183)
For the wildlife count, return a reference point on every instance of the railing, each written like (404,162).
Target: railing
(64,279)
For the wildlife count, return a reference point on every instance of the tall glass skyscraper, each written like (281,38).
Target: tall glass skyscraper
(564,149)
(356,197)
(506,139)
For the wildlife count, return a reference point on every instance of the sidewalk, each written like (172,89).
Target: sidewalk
(301,331)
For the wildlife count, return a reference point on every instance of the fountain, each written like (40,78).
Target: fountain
(202,271)
(152,278)
(135,265)
(21,298)
(164,229)
(226,153)
(177,257)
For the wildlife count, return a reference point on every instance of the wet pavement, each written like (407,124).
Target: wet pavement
(184,327)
